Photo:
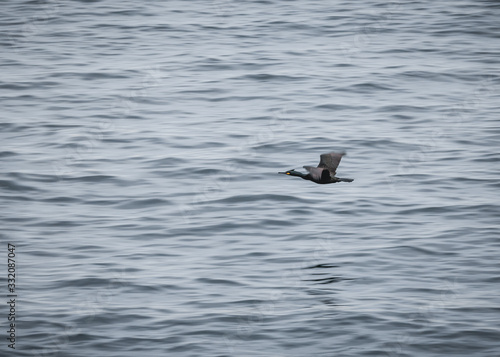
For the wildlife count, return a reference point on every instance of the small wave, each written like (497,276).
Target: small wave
(7,154)
(10,185)
(267,77)
(261,197)
(212,281)
(145,203)
(93,178)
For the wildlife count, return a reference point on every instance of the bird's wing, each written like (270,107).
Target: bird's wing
(315,172)
(330,161)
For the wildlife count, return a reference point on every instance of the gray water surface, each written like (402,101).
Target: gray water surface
(140,148)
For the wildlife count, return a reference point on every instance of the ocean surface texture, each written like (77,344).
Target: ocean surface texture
(140,148)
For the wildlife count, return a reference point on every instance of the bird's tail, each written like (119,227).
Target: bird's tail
(342,179)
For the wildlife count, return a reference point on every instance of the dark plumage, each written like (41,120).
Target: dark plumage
(325,172)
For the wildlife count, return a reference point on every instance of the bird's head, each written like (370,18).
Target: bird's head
(291,172)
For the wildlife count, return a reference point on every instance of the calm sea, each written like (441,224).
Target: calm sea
(138,178)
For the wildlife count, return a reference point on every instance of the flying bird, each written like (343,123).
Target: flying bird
(325,172)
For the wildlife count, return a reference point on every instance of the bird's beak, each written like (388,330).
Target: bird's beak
(282,173)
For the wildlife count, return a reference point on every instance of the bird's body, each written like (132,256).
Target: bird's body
(325,171)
